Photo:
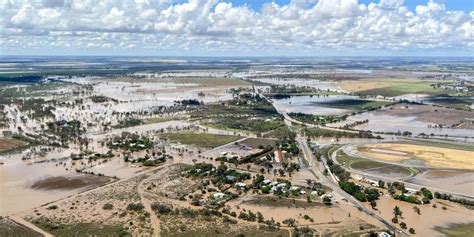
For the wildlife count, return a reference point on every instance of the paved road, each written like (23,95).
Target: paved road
(335,187)
(312,165)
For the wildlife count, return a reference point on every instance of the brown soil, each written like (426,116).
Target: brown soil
(10,143)
(70,182)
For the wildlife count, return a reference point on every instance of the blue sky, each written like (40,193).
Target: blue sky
(223,28)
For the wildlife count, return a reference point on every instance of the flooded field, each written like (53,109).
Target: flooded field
(394,124)
(429,217)
(322,85)
(210,149)
(320,105)
(461,182)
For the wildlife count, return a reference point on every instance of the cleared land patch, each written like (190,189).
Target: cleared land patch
(10,143)
(204,140)
(429,155)
(70,182)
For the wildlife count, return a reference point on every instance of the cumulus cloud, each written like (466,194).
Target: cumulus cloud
(217,25)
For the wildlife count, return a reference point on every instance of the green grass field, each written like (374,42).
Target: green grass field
(457,230)
(204,140)
(10,228)
(376,167)
(407,87)
(255,142)
(161,119)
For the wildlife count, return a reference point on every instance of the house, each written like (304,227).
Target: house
(384,234)
(230,178)
(294,188)
(279,159)
(240,185)
(218,195)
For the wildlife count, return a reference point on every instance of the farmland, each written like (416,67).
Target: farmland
(390,87)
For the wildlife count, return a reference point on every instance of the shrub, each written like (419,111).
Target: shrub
(107,206)
(135,207)
(52,207)
(161,208)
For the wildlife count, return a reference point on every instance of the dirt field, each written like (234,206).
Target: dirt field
(431,114)
(429,155)
(429,217)
(70,182)
(10,143)
(335,220)
(80,213)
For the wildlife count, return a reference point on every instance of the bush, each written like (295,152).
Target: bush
(107,206)
(403,225)
(135,207)
(161,208)
(412,231)
(52,207)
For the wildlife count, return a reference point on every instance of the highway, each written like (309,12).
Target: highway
(308,155)
(313,166)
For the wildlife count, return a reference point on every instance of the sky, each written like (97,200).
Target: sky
(237,27)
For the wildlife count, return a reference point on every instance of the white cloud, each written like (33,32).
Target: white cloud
(214,26)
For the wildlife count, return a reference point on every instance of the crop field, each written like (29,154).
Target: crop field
(428,155)
(204,140)
(391,87)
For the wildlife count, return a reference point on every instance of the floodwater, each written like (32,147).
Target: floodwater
(429,218)
(322,85)
(17,177)
(389,123)
(460,182)
(312,104)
